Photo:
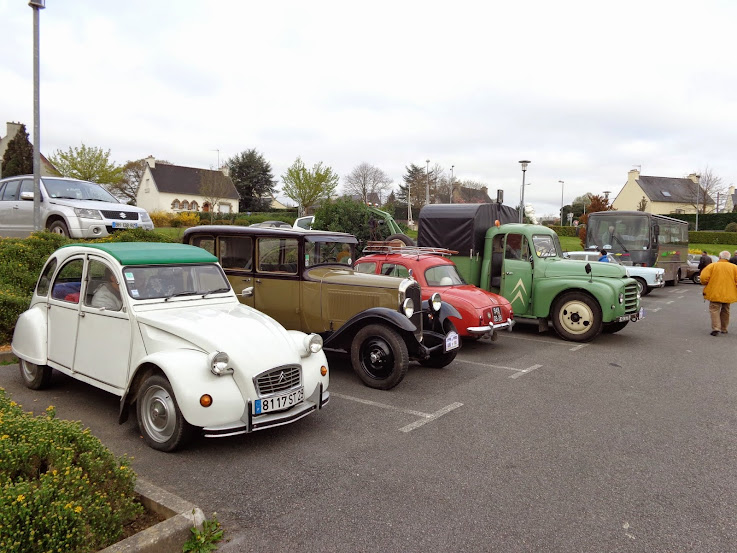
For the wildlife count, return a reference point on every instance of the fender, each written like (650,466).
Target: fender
(604,291)
(189,376)
(30,335)
(431,320)
(344,335)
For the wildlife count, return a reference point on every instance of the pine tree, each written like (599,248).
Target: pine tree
(18,159)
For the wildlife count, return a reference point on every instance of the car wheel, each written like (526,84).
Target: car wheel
(159,419)
(379,356)
(59,227)
(35,377)
(611,328)
(444,359)
(576,317)
(696,278)
(642,286)
(403,238)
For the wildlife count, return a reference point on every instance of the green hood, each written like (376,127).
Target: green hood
(557,267)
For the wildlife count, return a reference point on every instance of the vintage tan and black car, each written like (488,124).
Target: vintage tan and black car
(304,279)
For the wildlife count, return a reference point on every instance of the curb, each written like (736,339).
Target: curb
(167,536)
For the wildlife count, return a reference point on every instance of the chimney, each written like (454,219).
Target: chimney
(694,177)
(151,160)
(226,170)
(13,129)
(633,174)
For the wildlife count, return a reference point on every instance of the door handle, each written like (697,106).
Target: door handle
(81,313)
(258,280)
(247,292)
(508,273)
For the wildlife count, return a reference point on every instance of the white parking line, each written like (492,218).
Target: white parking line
(426,417)
(544,341)
(525,371)
(518,372)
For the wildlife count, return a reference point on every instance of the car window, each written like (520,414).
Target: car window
(277,255)
(205,242)
(544,245)
(443,275)
(516,247)
(391,269)
(68,282)
(165,281)
(235,252)
(369,268)
(328,252)
(44,281)
(10,192)
(77,190)
(103,288)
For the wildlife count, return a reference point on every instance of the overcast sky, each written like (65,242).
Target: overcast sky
(585,90)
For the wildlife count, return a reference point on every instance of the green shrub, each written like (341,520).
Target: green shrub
(60,488)
(136,235)
(731,227)
(343,215)
(712,237)
(160,218)
(564,231)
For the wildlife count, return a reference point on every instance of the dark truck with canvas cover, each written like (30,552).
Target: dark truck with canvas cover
(524,264)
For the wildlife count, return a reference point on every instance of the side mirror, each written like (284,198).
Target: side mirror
(26,196)
(588,268)
(656,229)
(247,292)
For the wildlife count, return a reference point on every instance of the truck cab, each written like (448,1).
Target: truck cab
(524,264)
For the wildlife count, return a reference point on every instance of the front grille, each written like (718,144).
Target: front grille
(129,215)
(630,298)
(413,292)
(278,380)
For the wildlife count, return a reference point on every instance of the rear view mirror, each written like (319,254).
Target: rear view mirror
(588,268)
(26,196)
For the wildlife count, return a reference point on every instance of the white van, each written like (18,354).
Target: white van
(74,208)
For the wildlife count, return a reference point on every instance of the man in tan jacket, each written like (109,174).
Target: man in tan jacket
(720,288)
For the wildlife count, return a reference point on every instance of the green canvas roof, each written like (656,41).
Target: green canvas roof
(152,253)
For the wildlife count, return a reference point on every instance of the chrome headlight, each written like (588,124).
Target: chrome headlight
(145,217)
(435,302)
(87,213)
(219,364)
(313,343)
(621,297)
(408,307)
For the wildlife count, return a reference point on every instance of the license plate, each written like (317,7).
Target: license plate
(451,341)
(497,314)
(276,403)
(118,224)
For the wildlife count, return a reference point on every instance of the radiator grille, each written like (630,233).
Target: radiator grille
(278,380)
(630,298)
(129,215)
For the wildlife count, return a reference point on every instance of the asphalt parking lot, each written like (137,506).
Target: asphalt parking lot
(528,443)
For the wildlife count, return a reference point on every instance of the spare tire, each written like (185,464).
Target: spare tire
(403,237)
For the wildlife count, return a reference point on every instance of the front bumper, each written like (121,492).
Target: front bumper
(660,284)
(250,422)
(632,317)
(490,329)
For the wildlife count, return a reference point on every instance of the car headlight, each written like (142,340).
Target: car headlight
(435,302)
(86,213)
(219,364)
(621,297)
(145,217)
(313,343)
(408,307)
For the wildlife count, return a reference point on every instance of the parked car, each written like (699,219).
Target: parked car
(74,208)
(648,278)
(304,223)
(692,272)
(305,280)
(159,326)
(483,313)
(271,224)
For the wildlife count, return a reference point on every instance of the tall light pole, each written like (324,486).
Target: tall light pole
(561,202)
(451,183)
(698,190)
(427,183)
(524,163)
(409,202)
(37,5)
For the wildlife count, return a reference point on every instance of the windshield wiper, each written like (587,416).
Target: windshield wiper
(185,293)
(217,291)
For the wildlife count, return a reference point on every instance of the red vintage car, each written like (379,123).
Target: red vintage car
(482,312)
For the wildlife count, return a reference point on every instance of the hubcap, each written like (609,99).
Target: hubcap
(29,370)
(576,317)
(158,414)
(376,358)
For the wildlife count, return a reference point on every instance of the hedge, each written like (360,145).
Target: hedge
(564,231)
(60,488)
(706,237)
(708,221)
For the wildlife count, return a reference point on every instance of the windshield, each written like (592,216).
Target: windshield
(77,190)
(619,232)
(546,245)
(443,275)
(317,253)
(166,281)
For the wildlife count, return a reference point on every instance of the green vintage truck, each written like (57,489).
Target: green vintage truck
(524,264)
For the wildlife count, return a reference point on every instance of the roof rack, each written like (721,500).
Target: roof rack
(397,246)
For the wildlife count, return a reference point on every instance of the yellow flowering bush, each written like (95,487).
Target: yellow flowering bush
(60,488)
(160,218)
(186,219)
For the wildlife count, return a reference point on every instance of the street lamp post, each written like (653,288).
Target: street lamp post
(698,190)
(451,183)
(561,201)
(409,203)
(37,5)
(427,183)
(524,163)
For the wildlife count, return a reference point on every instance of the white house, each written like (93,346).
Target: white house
(664,195)
(173,188)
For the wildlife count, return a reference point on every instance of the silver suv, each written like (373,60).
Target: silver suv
(74,208)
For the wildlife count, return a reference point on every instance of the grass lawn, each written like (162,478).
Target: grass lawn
(171,232)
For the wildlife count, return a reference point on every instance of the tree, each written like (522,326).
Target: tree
(307,187)
(87,163)
(642,206)
(18,158)
(214,187)
(710,186)
(253,179)
(365,180)
(597,203)
(415,181)
(127,188)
